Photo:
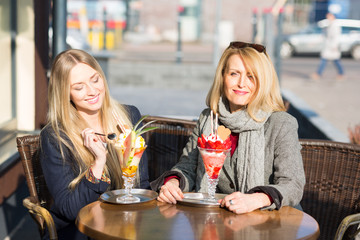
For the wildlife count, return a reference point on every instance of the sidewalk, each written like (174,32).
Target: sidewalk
(335,101)
(148,75)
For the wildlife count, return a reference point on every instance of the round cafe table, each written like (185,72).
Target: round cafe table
(156,220)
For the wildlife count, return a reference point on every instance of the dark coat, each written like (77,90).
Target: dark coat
(59,173)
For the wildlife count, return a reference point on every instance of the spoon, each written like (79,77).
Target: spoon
(110,136)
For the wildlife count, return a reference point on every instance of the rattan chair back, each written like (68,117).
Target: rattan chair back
(166,144)
(332,189)
(28,148)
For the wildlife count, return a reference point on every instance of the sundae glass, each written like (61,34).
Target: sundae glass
(130,147)
(213,160)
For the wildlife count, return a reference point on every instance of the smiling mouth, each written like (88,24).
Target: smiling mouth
(239,92)
(93,100)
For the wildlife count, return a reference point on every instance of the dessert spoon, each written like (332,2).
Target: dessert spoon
(110,136)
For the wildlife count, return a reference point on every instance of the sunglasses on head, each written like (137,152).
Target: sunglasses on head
(239,45)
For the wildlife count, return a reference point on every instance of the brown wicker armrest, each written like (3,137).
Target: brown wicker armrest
(345,223)
(30,203)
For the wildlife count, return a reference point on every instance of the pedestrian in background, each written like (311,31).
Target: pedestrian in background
(331,50)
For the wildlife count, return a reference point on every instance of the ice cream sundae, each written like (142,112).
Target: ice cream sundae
(214,149)
(130,146)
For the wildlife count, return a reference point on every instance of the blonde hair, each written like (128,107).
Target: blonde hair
(67,122)
(267,96)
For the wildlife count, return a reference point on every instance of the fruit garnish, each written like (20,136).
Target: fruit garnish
(218,138)
(130,140)
(213,142)
(223,132)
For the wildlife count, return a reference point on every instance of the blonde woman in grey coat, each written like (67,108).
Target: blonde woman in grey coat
(265,169)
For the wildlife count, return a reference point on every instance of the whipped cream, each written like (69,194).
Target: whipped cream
(213,138)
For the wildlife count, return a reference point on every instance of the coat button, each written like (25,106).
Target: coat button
(232,185)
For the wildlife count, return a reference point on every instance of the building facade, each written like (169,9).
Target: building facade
(199,18)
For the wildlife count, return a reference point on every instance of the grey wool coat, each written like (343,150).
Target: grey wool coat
(283,168)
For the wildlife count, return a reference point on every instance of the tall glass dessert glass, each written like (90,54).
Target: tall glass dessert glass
(213,160)
(130,147)
(129,167)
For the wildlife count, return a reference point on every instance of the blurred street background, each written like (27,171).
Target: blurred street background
(161,56)
(149,77)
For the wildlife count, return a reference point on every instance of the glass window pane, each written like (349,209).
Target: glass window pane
(5,63)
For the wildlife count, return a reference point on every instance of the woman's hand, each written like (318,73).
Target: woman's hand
(170,192)
(238,202)
(242,221)
(97,148)
(167,210)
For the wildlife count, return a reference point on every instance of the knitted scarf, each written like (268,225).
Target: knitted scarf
(248,159)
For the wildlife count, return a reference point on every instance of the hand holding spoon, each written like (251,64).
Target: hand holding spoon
(110,136)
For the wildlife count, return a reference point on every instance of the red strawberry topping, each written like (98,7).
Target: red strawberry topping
(212,143)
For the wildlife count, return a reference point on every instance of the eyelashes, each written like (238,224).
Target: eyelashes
(235,74)
(80,86)
(96,79)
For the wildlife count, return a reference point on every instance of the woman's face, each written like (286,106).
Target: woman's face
(239,84)
(87,89)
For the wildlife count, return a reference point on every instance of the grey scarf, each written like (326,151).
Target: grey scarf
(249,155)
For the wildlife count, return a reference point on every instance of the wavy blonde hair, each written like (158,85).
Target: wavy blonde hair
(267,96)
(67,122)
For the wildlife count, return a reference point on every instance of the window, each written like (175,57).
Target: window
(7,73)
(350,29)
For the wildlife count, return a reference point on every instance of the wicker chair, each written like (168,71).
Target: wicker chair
(332,190)
(348,221)
(165,144)
(39,200)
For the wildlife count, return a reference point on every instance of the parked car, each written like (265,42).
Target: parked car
(310,40)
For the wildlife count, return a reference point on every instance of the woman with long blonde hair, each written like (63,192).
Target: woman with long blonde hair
(76,165)
(264,169)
